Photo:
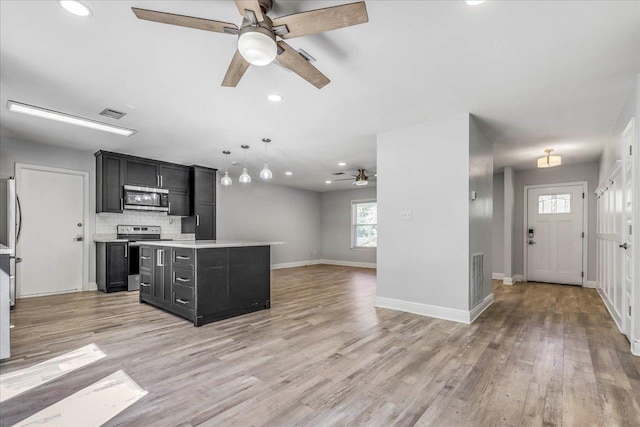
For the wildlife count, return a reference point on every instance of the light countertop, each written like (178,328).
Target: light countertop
(207,244)
(113,238)
(5,250)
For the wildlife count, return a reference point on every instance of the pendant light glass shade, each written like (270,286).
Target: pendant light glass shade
(549,161)
(265,173)
(244,178)
(226,180)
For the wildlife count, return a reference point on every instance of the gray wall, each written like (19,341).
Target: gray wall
(497,223)
(12,152)
(567,173)
(424,260)
(481,209)
(336,225)
(261,211)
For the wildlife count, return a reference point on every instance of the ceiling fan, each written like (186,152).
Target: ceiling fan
(257,36)
(360,178)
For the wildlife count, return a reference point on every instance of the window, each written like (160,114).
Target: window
(364,224)
(554,204)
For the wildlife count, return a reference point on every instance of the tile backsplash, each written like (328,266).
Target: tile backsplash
(106,223)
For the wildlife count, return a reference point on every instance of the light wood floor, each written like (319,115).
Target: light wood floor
(323,355)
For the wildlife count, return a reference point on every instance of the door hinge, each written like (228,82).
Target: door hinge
(630,150)
(582,274)
(630,229)
(583,195)
(583,234)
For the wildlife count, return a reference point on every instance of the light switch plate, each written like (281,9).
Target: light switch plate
(405,215)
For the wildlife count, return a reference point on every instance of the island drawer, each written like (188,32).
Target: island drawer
(183,277)
(183,297)
(184,258)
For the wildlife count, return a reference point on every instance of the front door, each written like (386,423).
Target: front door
(51,223)
(555,234)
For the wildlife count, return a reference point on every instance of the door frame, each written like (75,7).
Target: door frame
(20,167)
(585,225)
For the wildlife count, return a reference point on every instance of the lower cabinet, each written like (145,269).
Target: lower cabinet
(206,285)
(112,266)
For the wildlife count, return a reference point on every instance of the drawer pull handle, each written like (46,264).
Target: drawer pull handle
(182,257)
(145,257)
(144,285)
(180,279)
(182,301)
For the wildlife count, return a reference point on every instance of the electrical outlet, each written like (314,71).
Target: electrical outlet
(405,215)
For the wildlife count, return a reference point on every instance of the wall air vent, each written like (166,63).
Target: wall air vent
(108,112)
(477,279)
(337,173)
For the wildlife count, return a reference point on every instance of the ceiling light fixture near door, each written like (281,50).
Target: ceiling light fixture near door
(57,116)
(226,179)
(549,161)
(274,98)
(265,173)
(244,178)
(76,7)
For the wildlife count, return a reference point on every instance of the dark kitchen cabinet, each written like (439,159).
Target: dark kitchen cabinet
(174,177)
(161,285)
(109,182)
(202,221)
(112,266)
(141,172)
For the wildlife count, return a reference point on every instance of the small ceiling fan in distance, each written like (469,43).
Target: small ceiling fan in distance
(258,35)
(361,178)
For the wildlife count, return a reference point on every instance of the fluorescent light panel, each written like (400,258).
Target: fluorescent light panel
(43,113)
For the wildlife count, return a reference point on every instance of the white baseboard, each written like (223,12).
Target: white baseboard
(590,284)
(519,278)
(508,280)
(91,286)
(445,313)
(322,261)
(478,309)
(497,276)
(610,309)
(295,264)
(348,263)
(635,348)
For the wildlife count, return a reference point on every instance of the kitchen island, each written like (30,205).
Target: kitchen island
(206,280)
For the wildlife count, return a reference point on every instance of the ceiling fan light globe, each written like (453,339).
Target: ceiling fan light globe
(362,182)
(244,178)
(257,48)
(266,173)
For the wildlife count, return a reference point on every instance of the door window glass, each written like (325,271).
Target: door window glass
(554,204)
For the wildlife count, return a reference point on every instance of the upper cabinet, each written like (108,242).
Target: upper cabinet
(114,170)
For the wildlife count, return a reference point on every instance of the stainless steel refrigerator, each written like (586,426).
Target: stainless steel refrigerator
(10,228)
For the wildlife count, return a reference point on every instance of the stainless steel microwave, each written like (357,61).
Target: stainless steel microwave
(146,198)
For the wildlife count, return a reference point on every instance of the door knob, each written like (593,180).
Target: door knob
(531,242)
(624,246)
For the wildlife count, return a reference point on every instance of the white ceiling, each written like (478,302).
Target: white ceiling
(537,74)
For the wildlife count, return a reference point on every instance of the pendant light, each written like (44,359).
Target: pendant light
(549,161)
(244,178)
(226,179)
(265,173)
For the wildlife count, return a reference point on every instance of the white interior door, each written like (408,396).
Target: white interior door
(627,221)
(555,234)
(52,219)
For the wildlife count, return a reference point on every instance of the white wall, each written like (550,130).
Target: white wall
(267,212)
(12,152)
(481,209)
(336,225)
(497,223)
(565,173)
(424,169)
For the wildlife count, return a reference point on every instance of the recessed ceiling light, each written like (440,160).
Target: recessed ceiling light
(327,182)
(342,164)
(475,2)
(288,173)
(76,7)
(274,98)
(43,113)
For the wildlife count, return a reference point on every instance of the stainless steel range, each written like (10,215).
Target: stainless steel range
(134,234)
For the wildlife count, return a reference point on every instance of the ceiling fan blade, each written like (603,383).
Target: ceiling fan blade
(291,59)
(321,20)
(252,5)
(344,179)
(235,71)
(186,21)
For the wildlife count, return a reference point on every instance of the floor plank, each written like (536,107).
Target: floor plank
(324,355)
